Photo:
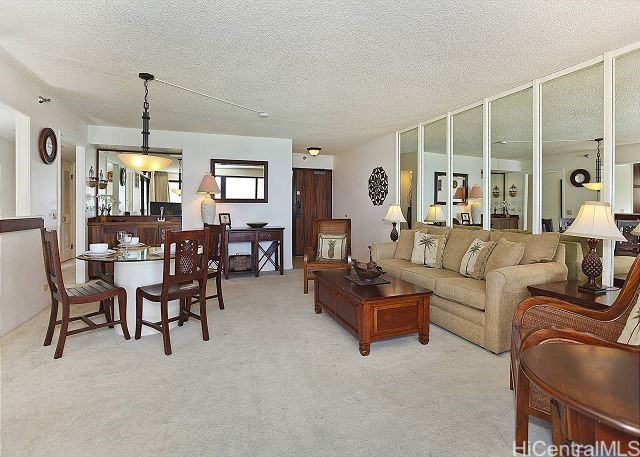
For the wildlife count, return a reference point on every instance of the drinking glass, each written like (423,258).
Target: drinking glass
(120,236)
(127,241)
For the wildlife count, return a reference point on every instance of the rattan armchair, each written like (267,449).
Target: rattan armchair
(311,265)
(598,327)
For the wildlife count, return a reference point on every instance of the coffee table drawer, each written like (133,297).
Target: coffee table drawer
(395,319)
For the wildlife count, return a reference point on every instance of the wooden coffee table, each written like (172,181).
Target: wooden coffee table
(373,312)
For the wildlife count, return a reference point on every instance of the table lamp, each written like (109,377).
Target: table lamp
(435,215)
(636,231)
(475,194)
(208,186)
(394,215)
(594,222)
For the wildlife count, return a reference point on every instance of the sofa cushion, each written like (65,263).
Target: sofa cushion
(467,291)
(475,259)
(457,245)
(505,254)
(437,230)
(404,245)
(537,248)
(394,267)
(427,277)
(428,249)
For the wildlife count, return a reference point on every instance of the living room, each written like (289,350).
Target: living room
(428,134)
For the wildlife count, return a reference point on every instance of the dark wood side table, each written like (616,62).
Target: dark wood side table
(594,391)
(274,254)
(568,291)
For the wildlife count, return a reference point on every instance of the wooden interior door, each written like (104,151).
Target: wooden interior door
(67,212)
(311,200)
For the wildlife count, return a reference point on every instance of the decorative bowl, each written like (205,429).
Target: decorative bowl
(256,224)
(98,248)
(367,271)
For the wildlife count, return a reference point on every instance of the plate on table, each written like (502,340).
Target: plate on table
(99,254)
(132,245)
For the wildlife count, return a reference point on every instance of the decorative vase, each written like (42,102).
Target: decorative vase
(208,210)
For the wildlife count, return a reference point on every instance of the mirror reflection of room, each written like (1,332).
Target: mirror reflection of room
(434,166)
(409,176)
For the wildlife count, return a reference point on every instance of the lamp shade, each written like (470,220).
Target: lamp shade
(145,162)
(595,220)
(208,185)
(636,231)
(475,192)
(435,214)
(594,185)
(394,214)
(459,193)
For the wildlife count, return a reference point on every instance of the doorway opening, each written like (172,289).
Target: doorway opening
(67,213)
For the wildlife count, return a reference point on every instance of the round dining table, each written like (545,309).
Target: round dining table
(132,268)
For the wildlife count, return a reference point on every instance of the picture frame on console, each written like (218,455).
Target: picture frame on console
(225,219)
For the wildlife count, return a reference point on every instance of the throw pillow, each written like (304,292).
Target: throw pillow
(404,245)
(537,248)
(505,254)
(332,247)
(428,249)
(457,244)
(631,331)
(475,259)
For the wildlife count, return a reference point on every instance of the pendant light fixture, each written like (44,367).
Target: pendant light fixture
(314,151)
(598,185)
(144,161)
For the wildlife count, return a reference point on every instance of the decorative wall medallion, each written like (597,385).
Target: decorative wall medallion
(48,145)
(378,186)
(579,177)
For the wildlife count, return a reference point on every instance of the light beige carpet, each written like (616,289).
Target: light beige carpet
(275,379)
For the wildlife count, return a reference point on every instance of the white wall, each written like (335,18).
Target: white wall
(7,178)
(197,151)
(351,191)
(22,281)
(573,196)
(320,162)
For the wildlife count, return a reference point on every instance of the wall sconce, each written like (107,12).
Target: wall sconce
(513,190)
(102,183)
(92,181)
(314,151)
(495,192)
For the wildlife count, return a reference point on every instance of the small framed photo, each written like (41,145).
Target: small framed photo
(466,218)
(225,219)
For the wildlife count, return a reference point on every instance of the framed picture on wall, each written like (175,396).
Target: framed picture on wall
(466,218)
(225,219)
(458,192)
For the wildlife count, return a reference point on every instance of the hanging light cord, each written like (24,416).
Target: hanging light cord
(260,113)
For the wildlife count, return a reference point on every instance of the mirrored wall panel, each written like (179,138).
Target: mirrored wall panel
(409,176)
(626,193)
(467,167)
(511,149)
(434,167)
(572,129)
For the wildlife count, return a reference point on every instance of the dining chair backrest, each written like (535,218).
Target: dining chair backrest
(191,257)
(52,266)
(332,227)
(547,225)
(216,243)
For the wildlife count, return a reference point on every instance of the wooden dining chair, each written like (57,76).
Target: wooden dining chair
(188,280)
(217,254)
(98,291)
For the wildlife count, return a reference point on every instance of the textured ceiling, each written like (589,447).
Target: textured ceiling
(333,74)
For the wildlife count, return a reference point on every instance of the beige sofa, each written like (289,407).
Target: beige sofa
(477,310)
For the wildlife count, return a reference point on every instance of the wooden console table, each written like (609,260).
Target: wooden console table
(274,254)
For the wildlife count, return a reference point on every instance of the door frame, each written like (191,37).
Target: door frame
(72,210)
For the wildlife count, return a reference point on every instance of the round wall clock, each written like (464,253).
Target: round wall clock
(378,186)
(48,145)
(123,176)
(579,177)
